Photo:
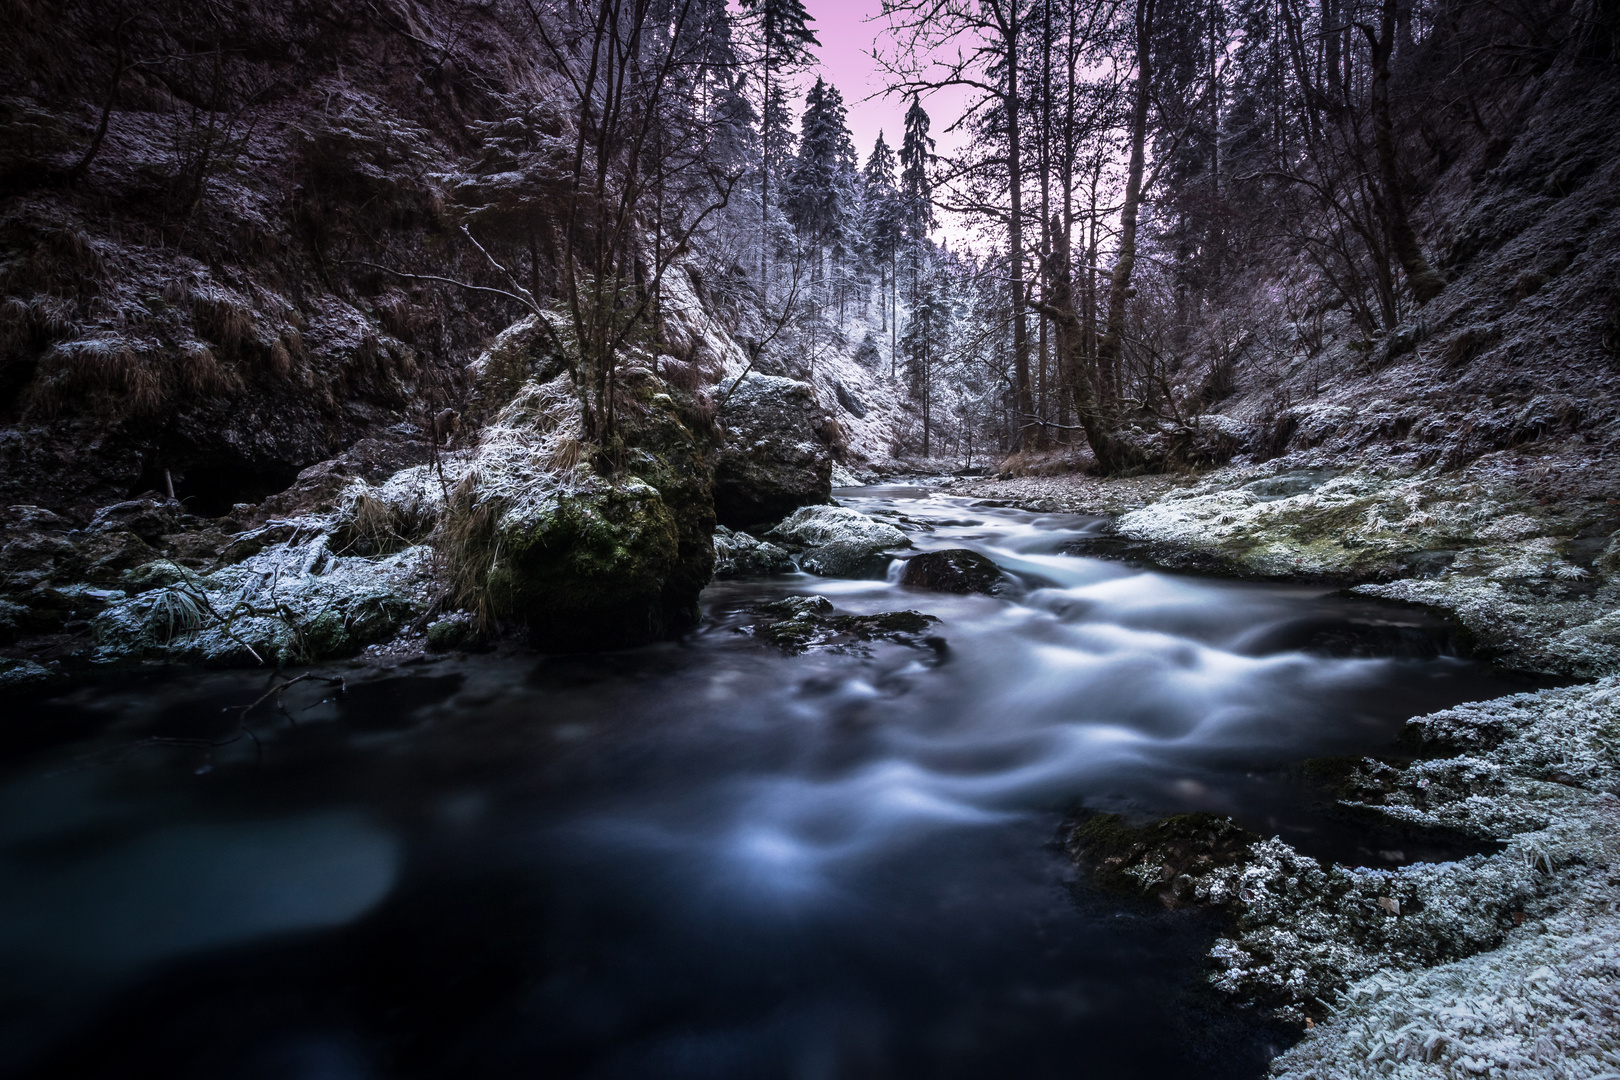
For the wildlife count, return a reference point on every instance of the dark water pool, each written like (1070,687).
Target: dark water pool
(705,859)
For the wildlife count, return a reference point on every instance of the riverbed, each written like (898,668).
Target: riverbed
(707,858)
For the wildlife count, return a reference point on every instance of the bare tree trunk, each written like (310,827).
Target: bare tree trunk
(1425,283)
(1111,350)
(1015,244)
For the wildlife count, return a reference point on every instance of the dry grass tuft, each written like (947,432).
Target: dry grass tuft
(278,360)
(200,372)
(679,374)
(222,318)
(106,373)
(1464,345)
(61,262)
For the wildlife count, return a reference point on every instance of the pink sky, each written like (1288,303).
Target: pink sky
(847,41)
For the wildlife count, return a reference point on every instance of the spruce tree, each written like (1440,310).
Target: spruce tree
(784,40)
(881,226)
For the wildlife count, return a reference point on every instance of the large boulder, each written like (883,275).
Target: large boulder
(814,526)
(847,559)
(778,452)
(587,569)
(839,542)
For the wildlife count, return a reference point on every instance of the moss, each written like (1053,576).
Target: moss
(587,569)
(1163,858)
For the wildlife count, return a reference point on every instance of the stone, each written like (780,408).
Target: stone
(955,570)
(797,623)
(150,519)
(815,526)
(586,569)
(847,559)
(736,554)
(778,453)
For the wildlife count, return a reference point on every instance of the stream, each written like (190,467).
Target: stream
(702,859)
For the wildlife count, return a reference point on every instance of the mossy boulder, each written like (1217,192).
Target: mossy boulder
(588,569)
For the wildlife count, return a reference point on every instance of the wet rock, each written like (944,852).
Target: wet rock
(24,675)
(777,455)
(455,631)
(839,542)
(797,623)
(855,559)
(736,554)
(954,570)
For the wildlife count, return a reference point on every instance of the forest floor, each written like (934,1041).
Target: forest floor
(1501,964)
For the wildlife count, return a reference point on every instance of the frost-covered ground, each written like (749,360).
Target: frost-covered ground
(1499,964)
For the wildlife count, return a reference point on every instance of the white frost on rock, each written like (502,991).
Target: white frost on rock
(815,526)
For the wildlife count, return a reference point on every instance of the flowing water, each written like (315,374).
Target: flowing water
(701,859)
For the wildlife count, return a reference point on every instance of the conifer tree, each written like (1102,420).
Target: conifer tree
(784,38)
(882,222)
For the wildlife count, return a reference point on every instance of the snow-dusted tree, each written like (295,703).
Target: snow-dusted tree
(783,39)
(882,223)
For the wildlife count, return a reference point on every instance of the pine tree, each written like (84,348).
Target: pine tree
(784,39)
(881,225)
(916,192)
(812,197)
(926,342)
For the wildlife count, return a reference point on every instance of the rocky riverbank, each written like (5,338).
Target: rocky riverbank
(516,525)
(1499,964)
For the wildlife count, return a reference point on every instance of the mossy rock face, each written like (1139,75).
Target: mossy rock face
(778,456)
(1164,858)
(588,569)
(675,460)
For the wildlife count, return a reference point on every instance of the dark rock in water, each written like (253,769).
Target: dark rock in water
(778,455)
(852,404)
(847,559)
(798,623)
(1163,858)
(955,570)
(736,554)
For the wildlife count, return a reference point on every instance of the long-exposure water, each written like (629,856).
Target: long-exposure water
(700,859)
